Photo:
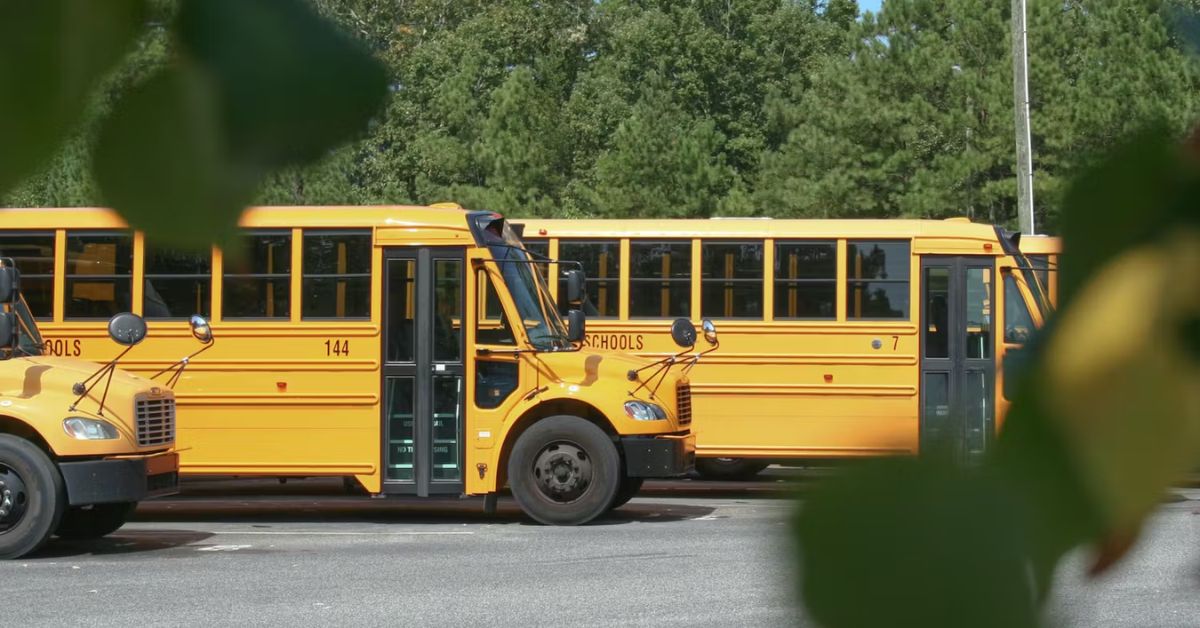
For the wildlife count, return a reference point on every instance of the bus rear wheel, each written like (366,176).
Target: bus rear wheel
(564,470)
(93,522)
(729,468)
(31,497)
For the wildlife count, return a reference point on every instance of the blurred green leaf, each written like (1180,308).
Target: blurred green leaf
(52,53)
(1109,415)
(161,160)
(257,85)
(913,543)
(290,86)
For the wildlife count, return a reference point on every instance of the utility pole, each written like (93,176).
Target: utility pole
(1021,105)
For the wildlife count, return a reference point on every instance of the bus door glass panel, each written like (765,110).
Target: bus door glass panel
(957,366)
(400,352)
(423,370)
(447,369)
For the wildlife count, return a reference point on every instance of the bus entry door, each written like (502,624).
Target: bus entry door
(957,363)
(423,388)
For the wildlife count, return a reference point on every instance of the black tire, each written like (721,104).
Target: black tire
(93,522)
(564,470)
(33,497)
(729,468)
(627,490)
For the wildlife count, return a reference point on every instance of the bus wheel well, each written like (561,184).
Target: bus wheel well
(21,429)
(569,407)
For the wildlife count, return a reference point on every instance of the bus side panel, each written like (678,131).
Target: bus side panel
(797,390)
(273,400)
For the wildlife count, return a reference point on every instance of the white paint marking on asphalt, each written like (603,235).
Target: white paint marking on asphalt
(222,548)
(318,533)
(707,518)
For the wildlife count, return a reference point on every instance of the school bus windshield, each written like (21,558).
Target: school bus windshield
(538,313)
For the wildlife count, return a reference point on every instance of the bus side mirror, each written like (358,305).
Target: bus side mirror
(575,282)
(683,333)
(10,284)
(710,331)
(8,330)
(576,322)
(127,329)
(201,329)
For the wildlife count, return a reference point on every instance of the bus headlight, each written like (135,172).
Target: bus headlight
(642,411)
(89,429)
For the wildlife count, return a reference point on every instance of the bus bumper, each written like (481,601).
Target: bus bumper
(659,456)
(117,480)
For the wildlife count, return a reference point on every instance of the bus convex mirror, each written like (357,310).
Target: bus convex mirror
(201,329)
(10,284)
(683,333)
(576,322)
(575,282)
(127,329)
(710,331)
(8,330)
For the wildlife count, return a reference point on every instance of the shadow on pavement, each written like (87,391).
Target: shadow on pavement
(261,511)
(120,542)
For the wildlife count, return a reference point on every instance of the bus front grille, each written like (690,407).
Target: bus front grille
(155,421)
(683,399)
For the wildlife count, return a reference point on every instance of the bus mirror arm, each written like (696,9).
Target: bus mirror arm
(664,366)
(696,358)
(180,365)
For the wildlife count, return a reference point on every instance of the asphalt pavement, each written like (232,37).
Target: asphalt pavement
(681,554)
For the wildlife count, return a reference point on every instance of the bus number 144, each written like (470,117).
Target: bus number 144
(339,348)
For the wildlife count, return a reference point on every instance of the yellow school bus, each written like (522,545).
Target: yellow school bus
(839,338)
(80,445)
(1043,252)
(413,349)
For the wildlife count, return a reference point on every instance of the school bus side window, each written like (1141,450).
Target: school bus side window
(495,380)
(599,261)
(257,284)
(99,274)
(34,256)
(660,279)
(731,284)
(878,279)
(337,275)
(1018,323)
(806,280)
(178,283)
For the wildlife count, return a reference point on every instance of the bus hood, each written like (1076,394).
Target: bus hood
(605,369)
(53,379)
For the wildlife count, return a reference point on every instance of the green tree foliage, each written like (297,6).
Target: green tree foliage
(729,107)
(918,119)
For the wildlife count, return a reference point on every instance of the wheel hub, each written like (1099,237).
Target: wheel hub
(563,471)
(13,498)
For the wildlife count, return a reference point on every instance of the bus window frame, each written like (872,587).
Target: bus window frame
(630,279)
(369,275)
(761,280)
(287,277)
(67,275)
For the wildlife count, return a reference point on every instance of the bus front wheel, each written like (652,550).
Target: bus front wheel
(628,489)
(93,522)
(564,470)
(31,497)
(729,468)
